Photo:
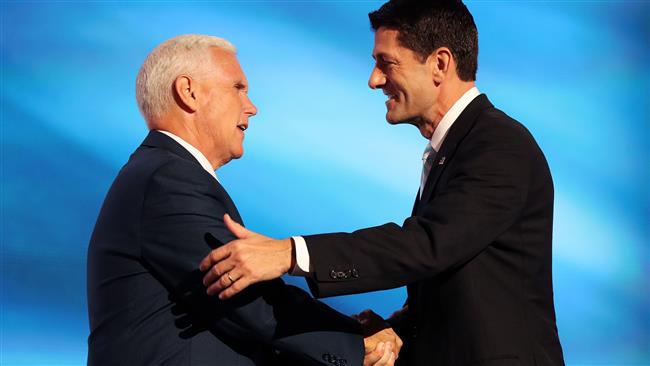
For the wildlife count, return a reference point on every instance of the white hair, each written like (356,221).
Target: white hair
(183,54)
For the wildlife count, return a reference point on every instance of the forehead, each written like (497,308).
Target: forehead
(225,63)
(386,42)
(388,47)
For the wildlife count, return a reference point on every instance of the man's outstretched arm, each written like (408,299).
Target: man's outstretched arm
(483,197)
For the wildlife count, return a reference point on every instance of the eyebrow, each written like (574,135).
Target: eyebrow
(382,56)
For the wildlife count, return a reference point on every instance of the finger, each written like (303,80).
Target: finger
(237,230)
(391,360)
(385,355)
(239,285)
(388,353)
(220,285)
(398,346)
(375,355)
(217,271)
(215,256)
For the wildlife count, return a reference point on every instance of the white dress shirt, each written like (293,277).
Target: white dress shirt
(195,153)
(439,134)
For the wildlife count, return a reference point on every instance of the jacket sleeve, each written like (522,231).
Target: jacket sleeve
(182,204)
(486,188)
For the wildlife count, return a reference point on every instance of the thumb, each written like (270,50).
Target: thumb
(239,231)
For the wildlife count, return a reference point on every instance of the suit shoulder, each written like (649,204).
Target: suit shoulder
(189,184)
(154,172)
(162,162)
(493,125)
(496,119)
(135,174)
(145,161)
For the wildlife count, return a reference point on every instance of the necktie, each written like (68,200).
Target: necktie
(427,162)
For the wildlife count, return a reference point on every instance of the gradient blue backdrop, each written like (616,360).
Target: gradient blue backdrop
(319,155)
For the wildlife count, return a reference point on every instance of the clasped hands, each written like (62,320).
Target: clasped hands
(381,343)
(252,258)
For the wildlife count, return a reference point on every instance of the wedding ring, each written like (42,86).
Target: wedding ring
(230,278)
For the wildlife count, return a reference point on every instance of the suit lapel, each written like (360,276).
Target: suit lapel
(457,132)
(160,140)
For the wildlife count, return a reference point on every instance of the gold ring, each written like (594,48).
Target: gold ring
(230,278)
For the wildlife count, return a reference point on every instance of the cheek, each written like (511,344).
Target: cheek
(233,106)
(421,93)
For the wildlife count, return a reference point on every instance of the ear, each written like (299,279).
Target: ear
(441,62)
(184,89)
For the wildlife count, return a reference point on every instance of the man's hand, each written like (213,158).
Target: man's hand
(376,332)
(382,355)
(240,263)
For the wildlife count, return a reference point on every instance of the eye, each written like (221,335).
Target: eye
(241,87)
(384,63)
(386,60)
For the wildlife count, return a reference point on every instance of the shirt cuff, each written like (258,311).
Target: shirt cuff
(302,257)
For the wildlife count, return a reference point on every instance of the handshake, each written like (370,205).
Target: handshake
(382,344)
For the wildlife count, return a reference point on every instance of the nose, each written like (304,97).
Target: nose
(377,78)
(249,108)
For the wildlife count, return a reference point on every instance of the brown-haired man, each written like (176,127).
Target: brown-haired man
(476,252)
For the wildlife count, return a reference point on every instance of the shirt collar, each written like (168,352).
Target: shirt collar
(198,155)
(451,116)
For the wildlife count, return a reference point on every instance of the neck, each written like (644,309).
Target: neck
(187,131)
(449,95)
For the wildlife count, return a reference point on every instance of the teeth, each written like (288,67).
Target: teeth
(242,127)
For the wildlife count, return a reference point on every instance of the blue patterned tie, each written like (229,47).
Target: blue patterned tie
(427,162)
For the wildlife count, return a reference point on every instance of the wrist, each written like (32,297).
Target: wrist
(292,262)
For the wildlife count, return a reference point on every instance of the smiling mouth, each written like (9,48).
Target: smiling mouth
(390,95)
(242,127)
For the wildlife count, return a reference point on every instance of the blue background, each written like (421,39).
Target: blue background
(319,155)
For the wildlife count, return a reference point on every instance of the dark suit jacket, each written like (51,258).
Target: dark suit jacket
(146,303)
(475,254)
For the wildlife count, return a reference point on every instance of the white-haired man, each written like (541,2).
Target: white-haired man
(147,305)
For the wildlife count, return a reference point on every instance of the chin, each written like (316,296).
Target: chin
(390,118)
(426,134)
(396,120)
(238,154)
